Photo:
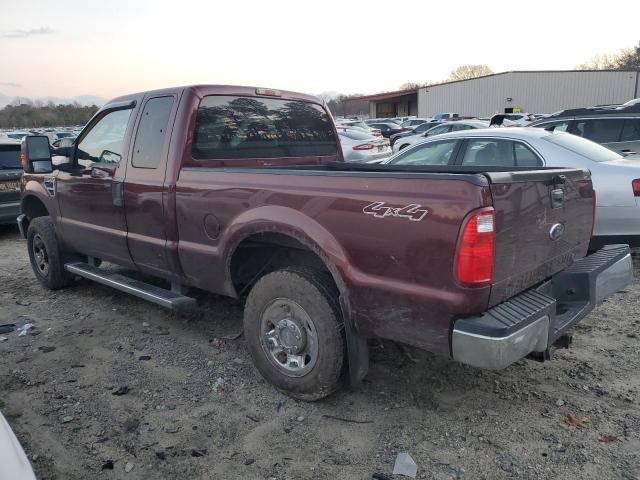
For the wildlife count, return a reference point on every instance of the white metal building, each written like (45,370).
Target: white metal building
(528,91)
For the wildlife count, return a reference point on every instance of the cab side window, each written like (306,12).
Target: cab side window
(104,143)
(152,132)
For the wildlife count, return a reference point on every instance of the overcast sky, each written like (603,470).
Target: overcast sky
(112,47)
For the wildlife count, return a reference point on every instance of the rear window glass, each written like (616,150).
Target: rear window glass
(581,146)
(10,156)
(246,127)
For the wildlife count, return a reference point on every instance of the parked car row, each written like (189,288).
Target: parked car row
(616,179)
(52,134)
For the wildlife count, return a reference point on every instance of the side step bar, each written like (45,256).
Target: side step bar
(159,296)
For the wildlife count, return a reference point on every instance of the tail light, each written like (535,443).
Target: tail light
(365,146)
(475,256)
(636,187)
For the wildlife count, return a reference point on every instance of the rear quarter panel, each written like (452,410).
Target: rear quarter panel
(397,273)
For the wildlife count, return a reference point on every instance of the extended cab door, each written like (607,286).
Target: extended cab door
(146,199)
(89,191)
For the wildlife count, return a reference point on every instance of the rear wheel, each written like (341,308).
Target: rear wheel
(295,333)
(45,254)
(403,146)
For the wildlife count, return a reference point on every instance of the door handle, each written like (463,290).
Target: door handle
(116,193)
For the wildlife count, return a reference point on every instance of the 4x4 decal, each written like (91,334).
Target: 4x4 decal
(413,212)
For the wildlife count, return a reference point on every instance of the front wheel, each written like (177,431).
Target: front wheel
(295,333)
(45,254)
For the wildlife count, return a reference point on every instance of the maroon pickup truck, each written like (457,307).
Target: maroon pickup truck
(243,191)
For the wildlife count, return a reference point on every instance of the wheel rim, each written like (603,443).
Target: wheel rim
(288,337)
(40,256)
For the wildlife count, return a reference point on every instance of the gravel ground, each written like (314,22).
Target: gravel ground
(196,408)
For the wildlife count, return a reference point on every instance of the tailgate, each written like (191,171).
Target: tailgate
(543,221)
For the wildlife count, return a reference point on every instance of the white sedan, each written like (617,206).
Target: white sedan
(443,127)
(359,146)
(616,179)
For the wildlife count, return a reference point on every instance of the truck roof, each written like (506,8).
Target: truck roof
(245,91)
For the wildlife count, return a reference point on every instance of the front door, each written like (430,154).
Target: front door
(90,191)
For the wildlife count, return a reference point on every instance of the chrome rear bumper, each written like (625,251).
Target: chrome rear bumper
(534,320)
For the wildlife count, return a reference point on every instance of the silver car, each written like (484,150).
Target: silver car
(358,146)
(616,179)
(439,129)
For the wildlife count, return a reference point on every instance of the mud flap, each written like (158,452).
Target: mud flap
(357,349)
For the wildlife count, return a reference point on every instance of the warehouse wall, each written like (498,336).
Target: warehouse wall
(535,92)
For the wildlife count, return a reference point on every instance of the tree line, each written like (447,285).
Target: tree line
(31,115)
(625,59)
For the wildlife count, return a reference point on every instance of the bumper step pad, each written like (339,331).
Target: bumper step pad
(534,320)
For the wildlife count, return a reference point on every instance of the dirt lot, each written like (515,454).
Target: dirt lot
(197,409)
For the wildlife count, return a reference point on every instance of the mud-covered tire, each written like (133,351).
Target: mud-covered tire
(46,255)
(315,293)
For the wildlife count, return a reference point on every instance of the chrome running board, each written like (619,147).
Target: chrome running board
(151,293)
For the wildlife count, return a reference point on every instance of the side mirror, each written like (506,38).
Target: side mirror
(35,154)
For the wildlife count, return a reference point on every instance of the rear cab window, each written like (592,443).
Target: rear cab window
(234,127)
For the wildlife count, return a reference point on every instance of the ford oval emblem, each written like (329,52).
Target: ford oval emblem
(557,230)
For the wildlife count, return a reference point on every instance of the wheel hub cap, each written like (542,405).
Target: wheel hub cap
(289,337)
(40,256)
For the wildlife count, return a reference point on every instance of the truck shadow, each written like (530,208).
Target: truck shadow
(8,230)
(421,379)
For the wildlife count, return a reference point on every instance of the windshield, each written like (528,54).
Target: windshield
(10,156)
(583,147)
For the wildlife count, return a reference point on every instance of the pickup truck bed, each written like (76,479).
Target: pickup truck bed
(327,254)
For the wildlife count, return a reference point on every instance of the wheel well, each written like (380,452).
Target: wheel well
(263,253)
(33,207)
